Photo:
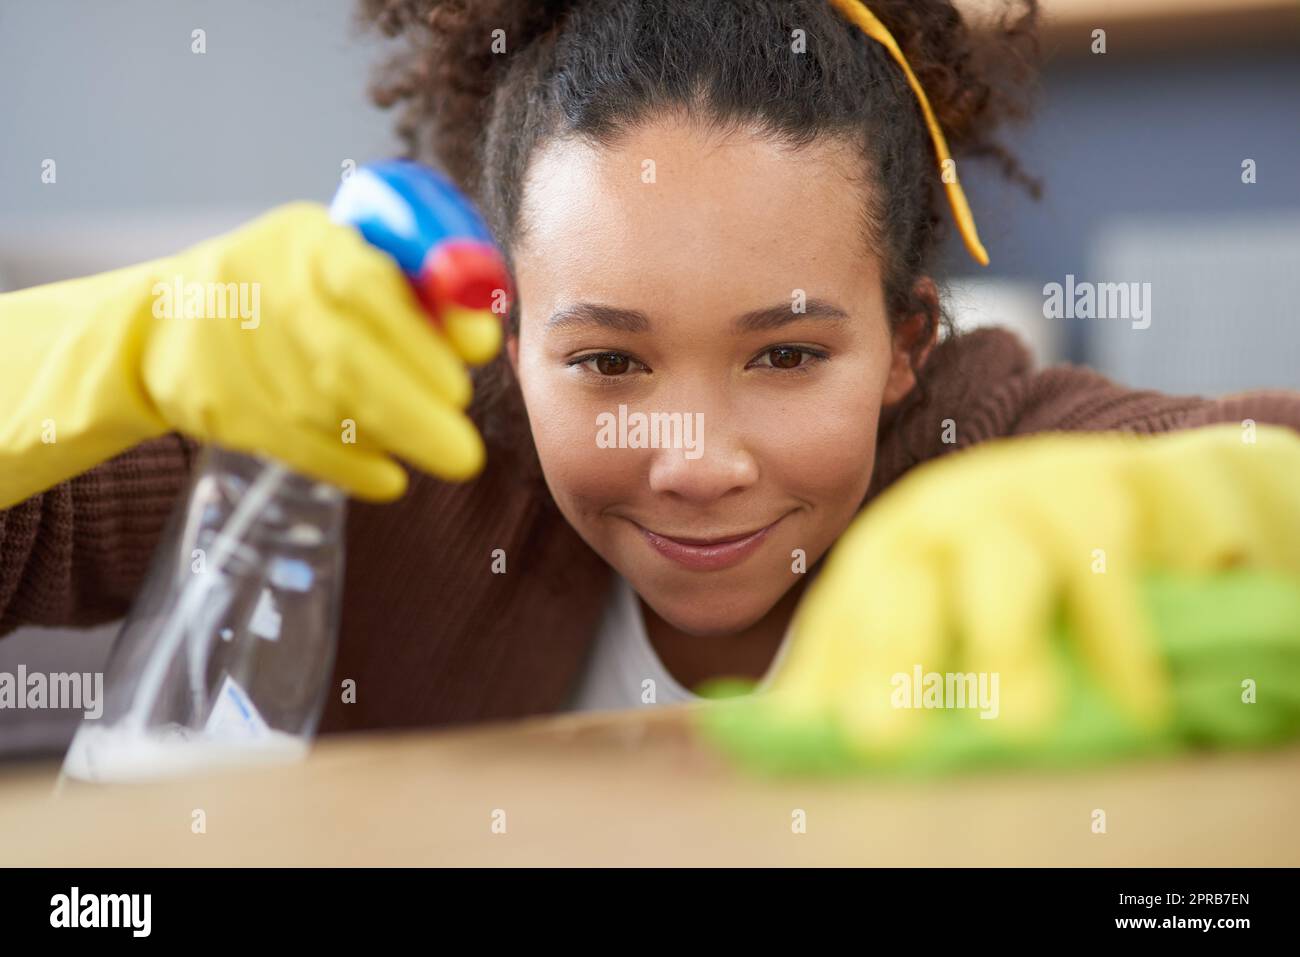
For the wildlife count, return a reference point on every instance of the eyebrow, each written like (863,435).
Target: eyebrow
(633,320)
(594,314)
(774,317)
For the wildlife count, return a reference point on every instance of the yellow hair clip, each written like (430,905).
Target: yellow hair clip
(857,12)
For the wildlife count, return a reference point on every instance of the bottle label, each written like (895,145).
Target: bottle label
(266,619)
(234,717)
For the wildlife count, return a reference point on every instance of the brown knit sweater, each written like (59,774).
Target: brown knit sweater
(428,633)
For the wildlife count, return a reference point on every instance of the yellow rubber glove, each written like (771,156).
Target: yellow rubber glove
(290,337)
(964,566)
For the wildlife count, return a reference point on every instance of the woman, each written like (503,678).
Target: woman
(727,211)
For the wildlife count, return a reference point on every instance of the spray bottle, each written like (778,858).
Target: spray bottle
(227,653)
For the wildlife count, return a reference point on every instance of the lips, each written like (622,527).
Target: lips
(707,554)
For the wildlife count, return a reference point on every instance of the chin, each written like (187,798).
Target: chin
(715,614)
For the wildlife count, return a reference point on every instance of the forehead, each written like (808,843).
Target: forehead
(674,209)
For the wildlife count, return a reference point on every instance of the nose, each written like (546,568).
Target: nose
(721,465)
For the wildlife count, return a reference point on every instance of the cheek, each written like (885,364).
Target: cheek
(821,446)
(582,476)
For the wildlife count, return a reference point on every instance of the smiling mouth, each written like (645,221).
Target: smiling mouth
(711,553)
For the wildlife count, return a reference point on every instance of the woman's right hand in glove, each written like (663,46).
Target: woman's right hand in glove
(291,337)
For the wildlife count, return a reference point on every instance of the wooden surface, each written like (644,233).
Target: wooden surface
(636,789)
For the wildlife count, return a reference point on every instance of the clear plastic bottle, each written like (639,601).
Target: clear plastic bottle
(227,652)
(226,655)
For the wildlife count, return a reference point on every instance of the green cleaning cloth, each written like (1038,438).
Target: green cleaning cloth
(1232,647)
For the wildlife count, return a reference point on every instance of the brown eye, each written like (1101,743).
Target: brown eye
(611,363)
(783,357)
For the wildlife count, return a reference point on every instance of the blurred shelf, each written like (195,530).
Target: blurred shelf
(1146,27)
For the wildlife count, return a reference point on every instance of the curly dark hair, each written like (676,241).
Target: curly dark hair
(595,68)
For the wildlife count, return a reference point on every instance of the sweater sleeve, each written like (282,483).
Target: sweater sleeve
(1074,399)
(75,554)
(982,385)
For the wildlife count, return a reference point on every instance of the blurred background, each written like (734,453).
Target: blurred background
(1140,149)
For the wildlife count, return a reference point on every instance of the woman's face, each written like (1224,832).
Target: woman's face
(721,282)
